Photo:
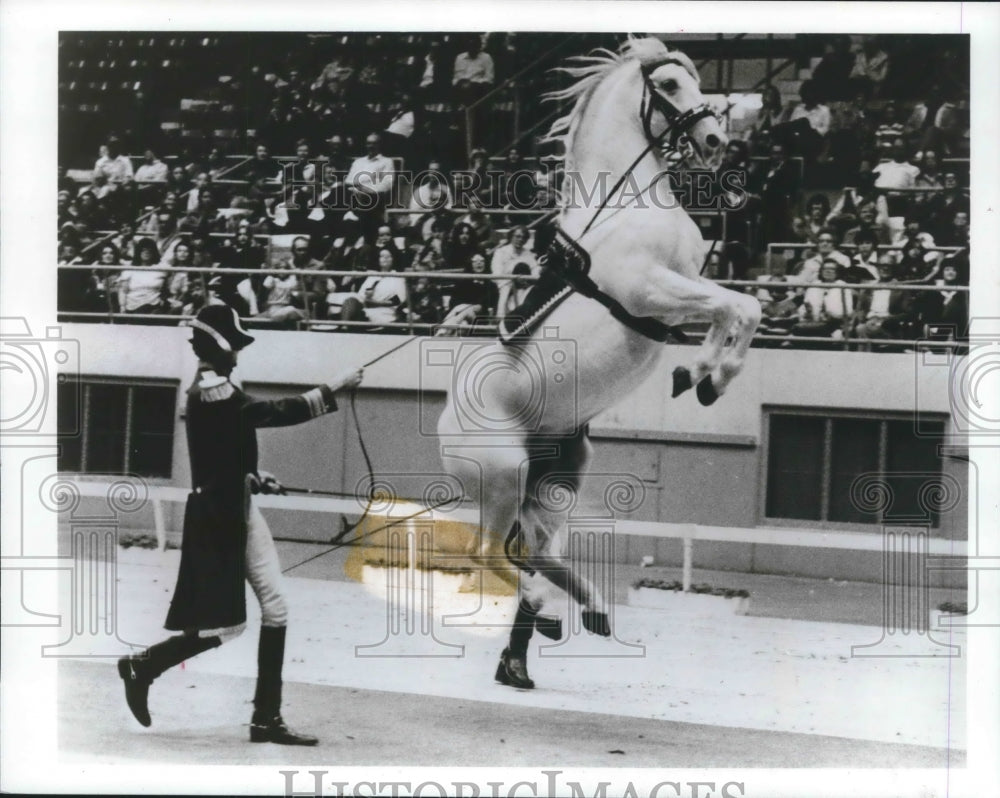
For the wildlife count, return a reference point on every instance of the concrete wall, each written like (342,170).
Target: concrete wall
(696,465)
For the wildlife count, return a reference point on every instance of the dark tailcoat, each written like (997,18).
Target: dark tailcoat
(222,424)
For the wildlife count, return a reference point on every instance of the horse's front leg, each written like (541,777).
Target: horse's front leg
(747,320)
(668,295)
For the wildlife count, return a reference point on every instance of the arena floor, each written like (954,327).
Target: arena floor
(706,691)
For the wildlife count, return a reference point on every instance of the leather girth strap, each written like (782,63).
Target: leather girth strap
(572,263)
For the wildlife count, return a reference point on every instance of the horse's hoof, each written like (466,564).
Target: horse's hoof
(706,391)
(513,672)
(550,626)
(682,381)
(596,622)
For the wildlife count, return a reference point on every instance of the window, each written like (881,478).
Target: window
(125,428)
(813,462)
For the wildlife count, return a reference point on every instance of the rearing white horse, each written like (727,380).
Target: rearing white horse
(515,422)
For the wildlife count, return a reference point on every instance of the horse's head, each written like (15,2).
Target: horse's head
(675,114)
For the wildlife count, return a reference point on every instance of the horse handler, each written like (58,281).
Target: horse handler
(226,539)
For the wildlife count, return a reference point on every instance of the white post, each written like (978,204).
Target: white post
(161,532)
(686,566)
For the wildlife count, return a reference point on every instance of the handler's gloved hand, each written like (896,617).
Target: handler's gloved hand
(266,483)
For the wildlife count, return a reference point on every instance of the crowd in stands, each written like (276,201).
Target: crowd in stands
(847,189)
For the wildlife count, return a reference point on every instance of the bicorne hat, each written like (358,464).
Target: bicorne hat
(222,323)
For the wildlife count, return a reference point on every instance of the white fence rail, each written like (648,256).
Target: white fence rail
(158,495)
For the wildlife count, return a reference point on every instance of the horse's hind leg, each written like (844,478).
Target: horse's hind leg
(551,491)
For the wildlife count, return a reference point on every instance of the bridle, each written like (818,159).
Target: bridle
(669,140)
(679,123)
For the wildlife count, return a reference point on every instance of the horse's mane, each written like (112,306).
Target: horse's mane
(590,70)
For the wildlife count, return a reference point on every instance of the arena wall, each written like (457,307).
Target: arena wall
(696,465)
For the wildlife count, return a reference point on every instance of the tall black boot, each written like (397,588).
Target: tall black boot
(513,667)
(139,670)
(267,725)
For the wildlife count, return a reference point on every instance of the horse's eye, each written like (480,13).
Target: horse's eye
(670,86)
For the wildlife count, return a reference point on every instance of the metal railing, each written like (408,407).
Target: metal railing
(415,327)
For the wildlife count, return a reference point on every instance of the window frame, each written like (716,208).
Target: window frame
(84,381)
(828,415)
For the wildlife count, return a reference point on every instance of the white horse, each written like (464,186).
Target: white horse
(514,423)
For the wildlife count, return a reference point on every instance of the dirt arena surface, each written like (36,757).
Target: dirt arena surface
(684,690)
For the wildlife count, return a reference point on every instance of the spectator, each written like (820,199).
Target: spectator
(871,64)
(205,218)
(473,73)
(91,212)
(826,246)
(779,311)
(514,292)
(479,221)
(303,170)
(844,213)
(193,197)
(432,83)
(899,172)
(507,255)
(313,292)
(180,284)
(262,167)
(814,122)
(916,264)
(370,181)
(817,211)
(381,298)
(461,247)
(73,285)
(102,282)
(215,163)
(929,166)
(66,209)
(831,75)
(473,301)
(957,235)
(885,312)
(125,241)
(426,303)
(826,310)
(729,190)
(774,186)
(152,169)
(941,206)
(892,127)
(950,306)
(868,223)
(430,196)
(283,297)
(771,112)
(864,264)
(142,290)
(517,189)
(935,123)
(336,157)
(367,257)
(397,137)
(245,257)
(114,166)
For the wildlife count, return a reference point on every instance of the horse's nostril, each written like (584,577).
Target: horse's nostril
(712,140)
